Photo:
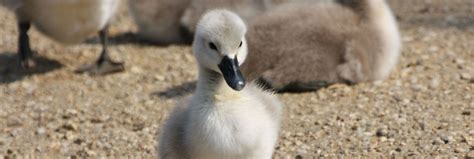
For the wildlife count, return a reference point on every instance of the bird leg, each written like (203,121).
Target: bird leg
(104,64)
(24,49)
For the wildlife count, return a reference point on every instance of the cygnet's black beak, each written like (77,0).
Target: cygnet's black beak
(231,72)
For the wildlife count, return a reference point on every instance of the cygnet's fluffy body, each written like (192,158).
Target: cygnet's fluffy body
(159,20)
(224,118)
(246,9)
(297,47)
(67,21)
(174,21)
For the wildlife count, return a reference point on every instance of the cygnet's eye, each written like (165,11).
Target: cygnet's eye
(240,45)
(212,46)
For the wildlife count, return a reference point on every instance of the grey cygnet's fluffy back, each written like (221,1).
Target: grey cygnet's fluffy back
(246,9)
(299,47)
(159,20)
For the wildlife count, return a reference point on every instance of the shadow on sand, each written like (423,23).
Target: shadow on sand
(176,91)
(11,70)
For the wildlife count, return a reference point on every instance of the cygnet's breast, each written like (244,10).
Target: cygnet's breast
(387,26)
(70,21)
(230,126)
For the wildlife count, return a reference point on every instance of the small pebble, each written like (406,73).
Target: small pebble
(434,83)
(466,113)
(417,87)
(40,131)
(433,49)
(136,70)
(459,150)
(447,138)
(471,132)
(459,61)
(381,132)
(70,136)
(91,153)
(406,101)
(70,126)
(438,141)
(159,77)
(465,76)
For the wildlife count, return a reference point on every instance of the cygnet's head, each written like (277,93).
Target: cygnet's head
(219,45)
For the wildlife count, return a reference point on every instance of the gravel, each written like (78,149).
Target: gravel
(424,109)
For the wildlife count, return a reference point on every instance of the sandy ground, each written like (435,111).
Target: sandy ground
(425,108)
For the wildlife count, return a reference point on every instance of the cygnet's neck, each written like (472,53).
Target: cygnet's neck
(211,85)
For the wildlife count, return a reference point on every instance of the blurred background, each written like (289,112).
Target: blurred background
(425,108)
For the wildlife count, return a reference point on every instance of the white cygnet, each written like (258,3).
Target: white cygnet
(225,117)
